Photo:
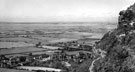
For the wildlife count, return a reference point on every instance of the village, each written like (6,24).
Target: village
(64,59)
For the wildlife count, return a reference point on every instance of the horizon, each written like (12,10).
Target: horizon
(60,22)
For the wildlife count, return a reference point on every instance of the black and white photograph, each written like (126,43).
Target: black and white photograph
(67,35)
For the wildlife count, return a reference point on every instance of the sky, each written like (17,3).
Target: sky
(61,10)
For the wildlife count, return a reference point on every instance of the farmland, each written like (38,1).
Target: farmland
(52,39)
(13,44)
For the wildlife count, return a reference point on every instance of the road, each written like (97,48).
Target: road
(98,52)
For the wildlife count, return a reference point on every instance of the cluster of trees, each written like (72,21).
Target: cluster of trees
(120,55)
(116,60)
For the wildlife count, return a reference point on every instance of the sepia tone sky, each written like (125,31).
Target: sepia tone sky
(61,10)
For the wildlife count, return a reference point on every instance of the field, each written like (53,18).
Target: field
(19,36)
(14,44)
(21,39)
(20,50)
(13,70)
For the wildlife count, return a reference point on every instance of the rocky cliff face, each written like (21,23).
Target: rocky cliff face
(119,45)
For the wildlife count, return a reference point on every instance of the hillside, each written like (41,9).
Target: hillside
(119,45)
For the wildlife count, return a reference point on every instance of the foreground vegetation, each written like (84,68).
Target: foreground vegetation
(119,45)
